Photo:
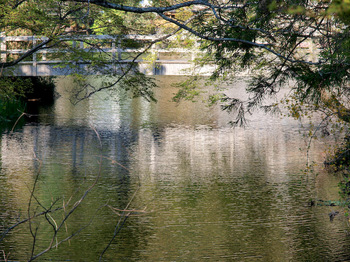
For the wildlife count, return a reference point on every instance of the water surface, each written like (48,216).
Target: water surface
(203,190)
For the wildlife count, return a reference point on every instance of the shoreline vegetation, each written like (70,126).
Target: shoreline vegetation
(20,95)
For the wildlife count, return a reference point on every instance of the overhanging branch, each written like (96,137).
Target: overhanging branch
(141,10)
(26,54)
(161,10)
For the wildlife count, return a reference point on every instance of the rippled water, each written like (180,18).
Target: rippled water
(202,190)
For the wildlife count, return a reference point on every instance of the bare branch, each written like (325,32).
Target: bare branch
(56,228)
(3,235)
(123,217)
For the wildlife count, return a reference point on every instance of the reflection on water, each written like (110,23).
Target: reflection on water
(210,192)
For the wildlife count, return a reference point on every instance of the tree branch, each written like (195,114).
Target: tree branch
(142,10)
(26,54)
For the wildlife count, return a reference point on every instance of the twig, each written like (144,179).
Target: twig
(13,128)
(130,212)
(4,255)
(26,220)
(29,206)
(123,217)
(75,206)
(313,136)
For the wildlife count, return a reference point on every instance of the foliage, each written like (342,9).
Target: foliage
(10,111)
(105,23)
(340,161)
(12,90)
(188,90)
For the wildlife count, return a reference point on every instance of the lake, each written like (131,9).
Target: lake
(198,189)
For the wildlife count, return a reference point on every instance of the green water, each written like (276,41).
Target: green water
(202,191)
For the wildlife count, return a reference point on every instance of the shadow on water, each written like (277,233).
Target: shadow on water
(210,192)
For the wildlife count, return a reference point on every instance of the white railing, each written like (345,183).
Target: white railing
(169,61)
(81,42)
